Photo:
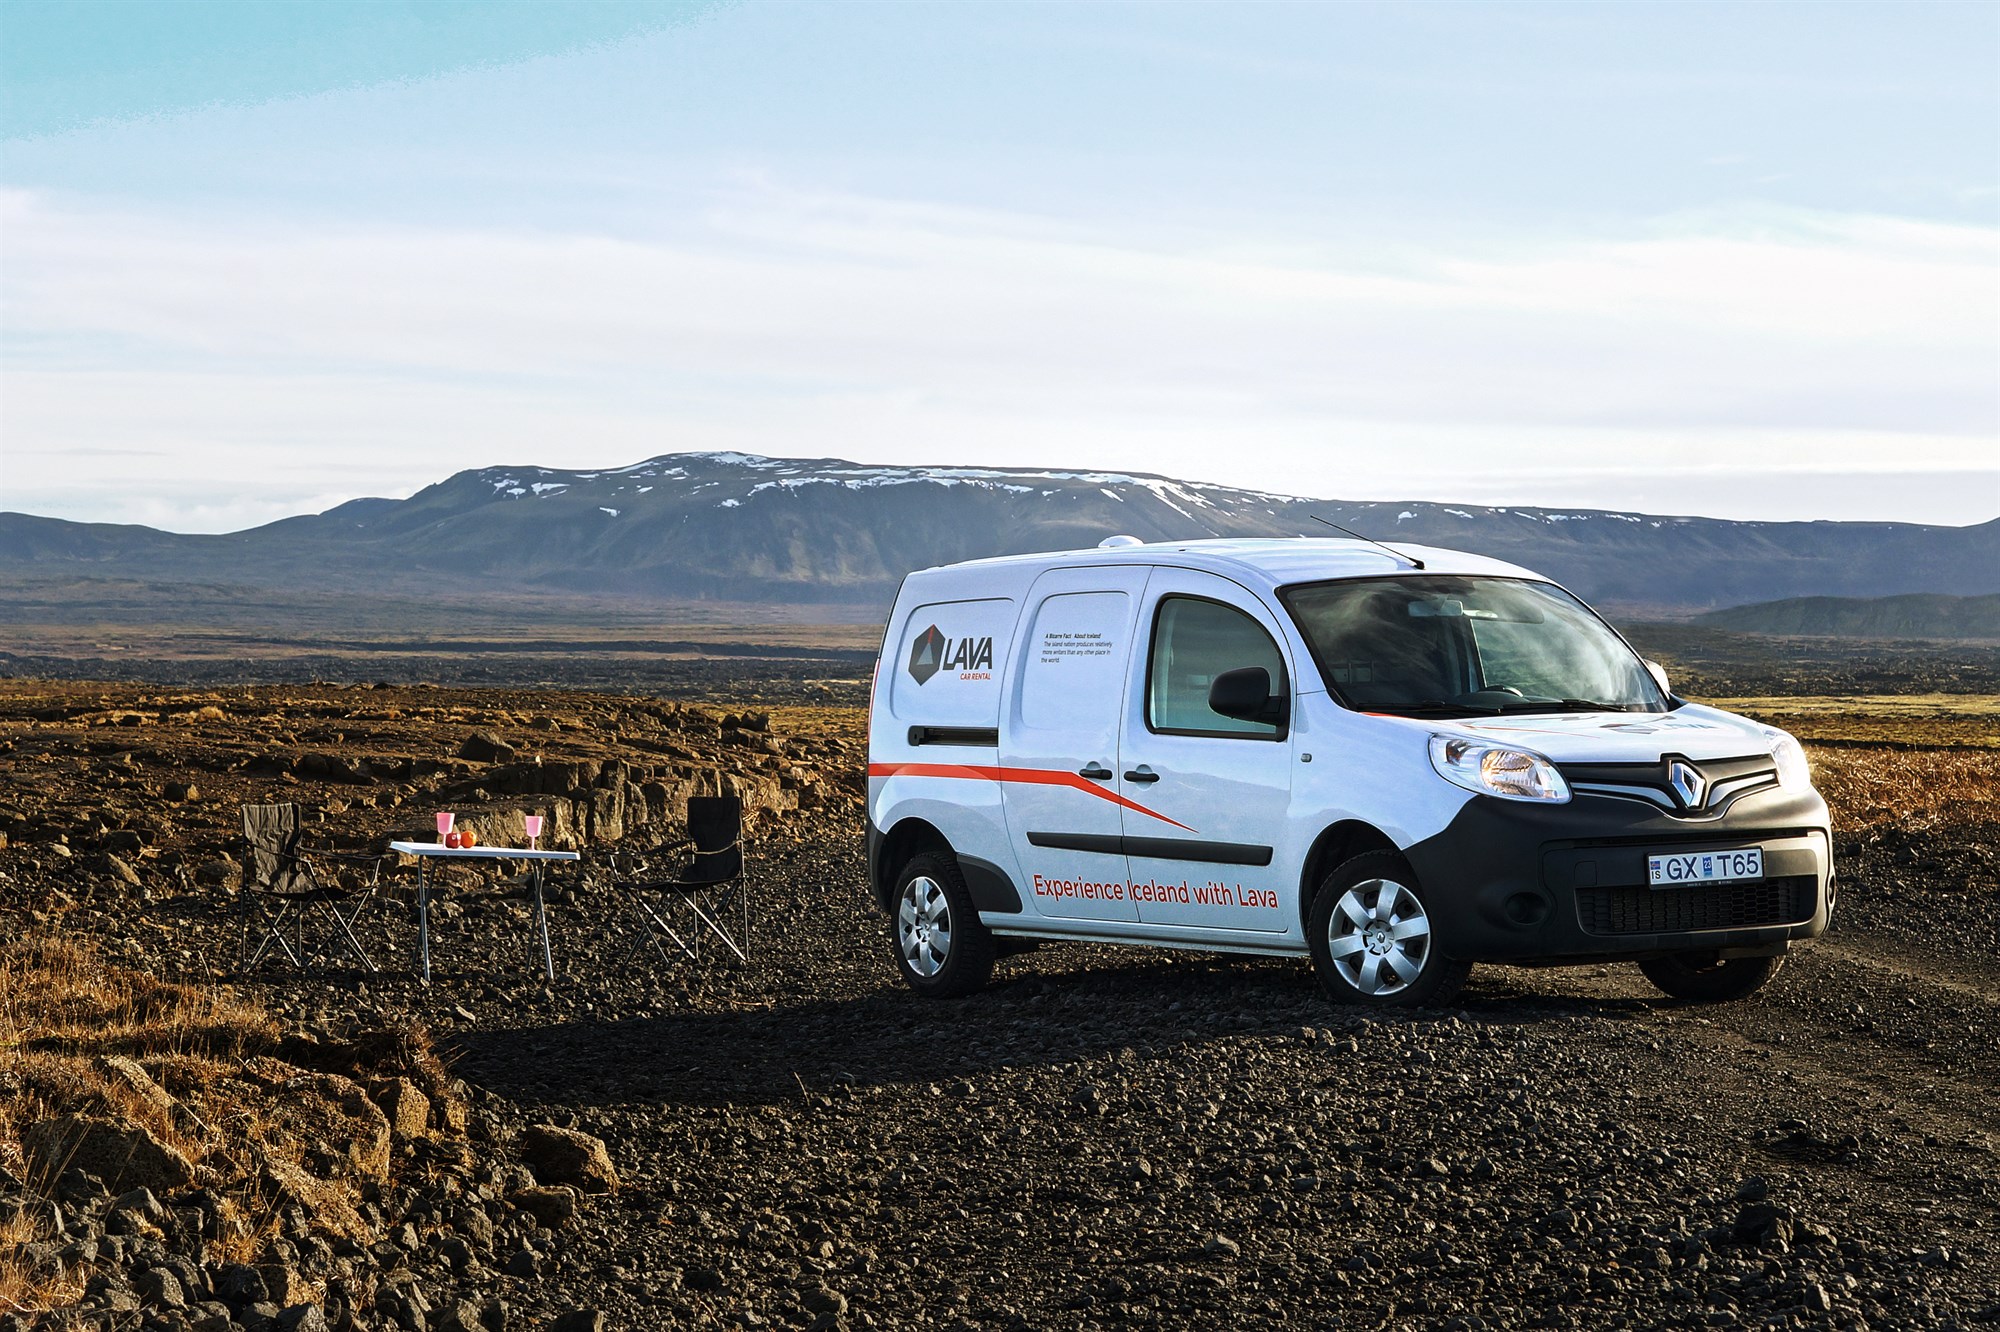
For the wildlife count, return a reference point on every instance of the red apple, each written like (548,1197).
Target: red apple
(451,841)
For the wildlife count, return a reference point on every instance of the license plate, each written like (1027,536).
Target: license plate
(1705,867)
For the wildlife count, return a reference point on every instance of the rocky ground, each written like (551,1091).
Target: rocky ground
(1103,1138)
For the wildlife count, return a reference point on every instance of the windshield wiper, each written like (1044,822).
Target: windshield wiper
(1567,705)
(1437,707)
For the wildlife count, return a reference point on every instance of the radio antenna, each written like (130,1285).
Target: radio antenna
(1410,560)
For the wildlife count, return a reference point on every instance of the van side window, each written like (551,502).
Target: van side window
(1075,661)
(1195,640)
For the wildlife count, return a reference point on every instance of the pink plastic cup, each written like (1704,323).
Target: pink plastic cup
(445,820)
(533,823)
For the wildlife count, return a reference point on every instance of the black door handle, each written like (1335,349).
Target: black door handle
(1095,772)
(1141,774)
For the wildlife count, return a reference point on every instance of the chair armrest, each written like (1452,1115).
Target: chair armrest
(306,857)
(625,864)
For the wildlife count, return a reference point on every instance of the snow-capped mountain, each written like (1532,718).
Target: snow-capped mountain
(741,527)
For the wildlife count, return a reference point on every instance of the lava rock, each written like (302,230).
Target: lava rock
(123,1155)
(568,1156)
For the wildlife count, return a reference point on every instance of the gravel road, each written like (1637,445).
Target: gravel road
(1112,1137)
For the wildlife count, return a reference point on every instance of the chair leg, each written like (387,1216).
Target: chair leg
(347,934)
(719,932)
(274,933)
(361,904)
(650,921)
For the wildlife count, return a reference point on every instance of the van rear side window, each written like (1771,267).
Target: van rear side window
(947,664)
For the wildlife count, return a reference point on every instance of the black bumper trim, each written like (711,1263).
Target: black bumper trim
(1512,882)
(989,885)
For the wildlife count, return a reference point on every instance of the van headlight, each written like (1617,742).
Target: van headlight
(1497,770)
(1793,770)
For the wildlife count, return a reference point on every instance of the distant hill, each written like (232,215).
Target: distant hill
(741,528)
(1919,615)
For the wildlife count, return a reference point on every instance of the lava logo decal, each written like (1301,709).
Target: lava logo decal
(926,653)
(933,652)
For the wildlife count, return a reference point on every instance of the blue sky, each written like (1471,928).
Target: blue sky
(1735,260)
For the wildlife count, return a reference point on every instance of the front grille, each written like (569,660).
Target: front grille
(1724,782)
(1700,906)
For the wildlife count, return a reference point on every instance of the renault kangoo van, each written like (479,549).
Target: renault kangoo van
(1398,761)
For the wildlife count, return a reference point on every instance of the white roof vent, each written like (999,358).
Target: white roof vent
(1119,542)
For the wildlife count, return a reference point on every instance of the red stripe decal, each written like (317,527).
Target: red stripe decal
(1025,776)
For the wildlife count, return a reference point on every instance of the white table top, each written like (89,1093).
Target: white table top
(481,852)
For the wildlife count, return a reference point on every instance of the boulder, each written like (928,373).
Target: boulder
(122,1154)
(124,842)
(607,814)
(125,1073)
(407,1109)
(240,1284)
(485,747)
(302,1318)
(348,1133)
(219,874)
(567,1156)
(553,1207)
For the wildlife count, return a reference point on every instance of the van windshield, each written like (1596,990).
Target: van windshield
(1439,645)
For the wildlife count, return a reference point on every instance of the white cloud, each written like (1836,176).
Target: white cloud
(247,358)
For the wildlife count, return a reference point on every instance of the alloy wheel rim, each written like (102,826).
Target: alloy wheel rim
(1379,937)
(923,926)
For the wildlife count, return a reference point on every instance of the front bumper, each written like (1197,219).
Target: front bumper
(1515,882)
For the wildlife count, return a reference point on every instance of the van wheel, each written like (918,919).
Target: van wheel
(1708,979)
(941,948)
(1372,938)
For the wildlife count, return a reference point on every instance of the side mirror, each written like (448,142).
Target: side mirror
(1659,676)
(1245,695)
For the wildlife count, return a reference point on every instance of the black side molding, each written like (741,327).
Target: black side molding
(1157,848)
(1213,853)
(1108,844)
(955,735)
(989,886)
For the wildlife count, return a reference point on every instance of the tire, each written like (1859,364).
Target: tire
(940,947)
(1369,924)
(1707,979)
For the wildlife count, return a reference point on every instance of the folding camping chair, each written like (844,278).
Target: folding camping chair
(696,898)
(282,889)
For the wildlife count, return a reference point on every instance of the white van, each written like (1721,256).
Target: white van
(1397,760)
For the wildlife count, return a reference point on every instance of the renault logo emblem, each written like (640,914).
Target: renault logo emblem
(1688,783)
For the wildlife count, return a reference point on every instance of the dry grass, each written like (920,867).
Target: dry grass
(218,1082)
(1958,721)
(23,1289)
(1908,790)
(61,1013)
(1912,763)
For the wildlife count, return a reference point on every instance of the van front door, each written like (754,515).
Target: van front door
(1059,747)
(1209,795)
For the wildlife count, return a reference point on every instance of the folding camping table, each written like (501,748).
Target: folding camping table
(425,852)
